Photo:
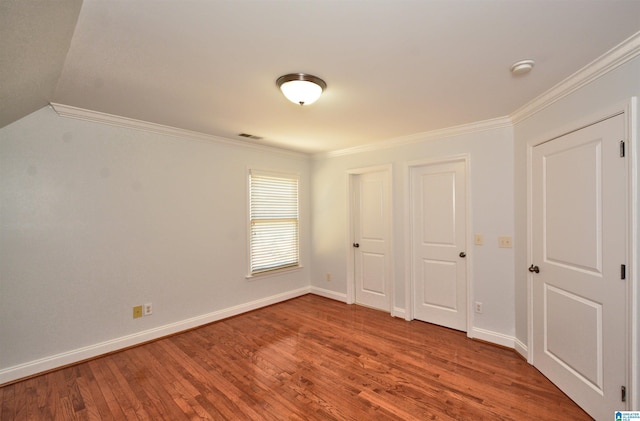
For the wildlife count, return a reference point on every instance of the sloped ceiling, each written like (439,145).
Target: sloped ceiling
(34,39)
(393,67)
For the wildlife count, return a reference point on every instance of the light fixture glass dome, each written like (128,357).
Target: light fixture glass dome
(301,88)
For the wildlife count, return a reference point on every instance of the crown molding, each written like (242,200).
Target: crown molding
(624,52)
(609,61)
(129,123)
(479,126)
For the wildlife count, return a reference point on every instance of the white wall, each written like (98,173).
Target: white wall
(491,166)
(96,219)
(612,89)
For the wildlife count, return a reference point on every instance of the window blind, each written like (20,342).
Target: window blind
(274,222)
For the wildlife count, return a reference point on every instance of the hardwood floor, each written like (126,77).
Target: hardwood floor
(305,359)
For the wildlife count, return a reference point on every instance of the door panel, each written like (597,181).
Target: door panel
(371,229)
(440,292)
(573,210)
(372,269)
(579,242)
(438,206)
(571,355)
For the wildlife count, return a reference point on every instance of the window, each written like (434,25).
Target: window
(273,209)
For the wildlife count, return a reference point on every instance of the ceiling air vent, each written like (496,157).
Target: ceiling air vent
(249,136)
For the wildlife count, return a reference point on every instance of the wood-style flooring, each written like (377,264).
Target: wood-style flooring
(309,358)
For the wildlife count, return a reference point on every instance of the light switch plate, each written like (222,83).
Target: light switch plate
(505,242)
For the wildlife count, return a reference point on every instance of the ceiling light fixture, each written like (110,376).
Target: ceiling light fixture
(522,67)
(301,88)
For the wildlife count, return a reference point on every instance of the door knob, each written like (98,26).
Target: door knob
(463,254)
(356,245)
(535,269)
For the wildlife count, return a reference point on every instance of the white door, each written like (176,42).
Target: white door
(579,245)
(439,272)
(370,246)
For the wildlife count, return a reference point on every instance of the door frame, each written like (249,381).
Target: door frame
(409,229)
(352,174)
(630,111)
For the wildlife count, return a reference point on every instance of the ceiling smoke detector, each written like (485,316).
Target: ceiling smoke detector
(522,67)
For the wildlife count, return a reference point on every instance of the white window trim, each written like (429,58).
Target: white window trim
(274,272)
(282,270)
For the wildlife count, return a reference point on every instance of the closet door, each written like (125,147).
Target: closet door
(579,246)
(439,265)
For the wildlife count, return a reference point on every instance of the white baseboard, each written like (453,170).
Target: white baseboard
(399,312)
(493,337)
(338,296)
(521,349)
(76,355)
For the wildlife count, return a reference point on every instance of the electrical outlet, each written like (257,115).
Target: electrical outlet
(504,242)
(137,312)
(477,239)
(328,277)
(148,309)
(478,307)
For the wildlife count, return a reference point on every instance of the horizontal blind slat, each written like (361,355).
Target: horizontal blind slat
(274,222)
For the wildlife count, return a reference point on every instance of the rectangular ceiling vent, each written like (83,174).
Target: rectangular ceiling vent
(249,136)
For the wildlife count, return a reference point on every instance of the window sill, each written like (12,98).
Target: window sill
(274,272)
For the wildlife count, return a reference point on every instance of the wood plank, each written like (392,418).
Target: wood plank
(108,389)
(309,358)
(7,403)
(20,401)
(97,406)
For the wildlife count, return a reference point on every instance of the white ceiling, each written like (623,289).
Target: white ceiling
(34,39)
(393,67)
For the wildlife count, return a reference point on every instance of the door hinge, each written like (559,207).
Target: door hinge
(623,393)
(623,271)
(622,149)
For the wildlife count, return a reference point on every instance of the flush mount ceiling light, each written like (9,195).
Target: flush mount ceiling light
(522,67)
(301,88)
